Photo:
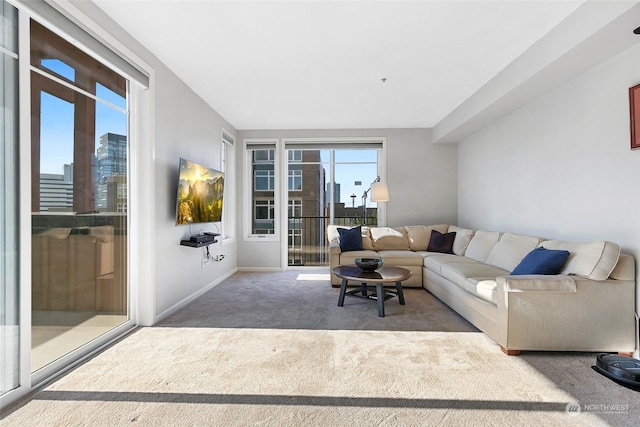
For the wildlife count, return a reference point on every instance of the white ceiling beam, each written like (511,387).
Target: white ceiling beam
(595,32)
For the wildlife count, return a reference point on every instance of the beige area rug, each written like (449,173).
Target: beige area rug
(274,349)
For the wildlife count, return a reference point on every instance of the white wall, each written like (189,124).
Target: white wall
(561,166)
(421,176)
(185,127)
(181,125)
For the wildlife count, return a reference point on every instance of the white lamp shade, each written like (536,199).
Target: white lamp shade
(379,192)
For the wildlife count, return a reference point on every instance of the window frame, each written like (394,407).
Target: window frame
(293,176)
(270,177)
(90,38)
(227,166)
(250,146)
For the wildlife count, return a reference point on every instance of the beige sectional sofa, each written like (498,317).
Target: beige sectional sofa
(588,306)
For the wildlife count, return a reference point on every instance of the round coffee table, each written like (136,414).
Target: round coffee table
(379,278)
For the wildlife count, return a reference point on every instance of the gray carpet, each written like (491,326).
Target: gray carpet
(274,349)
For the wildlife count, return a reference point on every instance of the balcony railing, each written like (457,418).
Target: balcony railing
(308,244)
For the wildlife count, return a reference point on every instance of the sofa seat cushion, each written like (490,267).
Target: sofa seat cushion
(484,288)
(349,257)
(460,271)
(435,260)
(400,258)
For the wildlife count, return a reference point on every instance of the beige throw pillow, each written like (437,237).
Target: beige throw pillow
(389,239)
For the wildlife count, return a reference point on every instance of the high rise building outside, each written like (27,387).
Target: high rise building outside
(111,174)
(56,191)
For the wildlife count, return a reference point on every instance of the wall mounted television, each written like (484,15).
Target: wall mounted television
(200,191)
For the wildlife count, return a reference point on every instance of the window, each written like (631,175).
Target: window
(262,195)
(294,180)
(79,162)
(294,155)
(122,191)
(332,175)
(294,229)
(295,208)
(76,297)
(227,158)
(264,209)
(263,156)
(264,180)
(10,357)
(295,239)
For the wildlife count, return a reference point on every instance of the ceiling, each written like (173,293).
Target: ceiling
(336,64)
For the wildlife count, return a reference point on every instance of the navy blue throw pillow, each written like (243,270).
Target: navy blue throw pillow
(442,243)
(541,261)
(350,239)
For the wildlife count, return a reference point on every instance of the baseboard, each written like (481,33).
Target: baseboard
(192,297)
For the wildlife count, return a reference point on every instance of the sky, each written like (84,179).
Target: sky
(57,122)
(352,166)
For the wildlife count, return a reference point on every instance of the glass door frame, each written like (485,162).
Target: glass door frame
(139,220)
(331,143)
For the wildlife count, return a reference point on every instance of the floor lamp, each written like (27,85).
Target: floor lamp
(379,193)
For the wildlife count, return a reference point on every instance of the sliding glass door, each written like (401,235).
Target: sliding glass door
(9,284)
(79,198)
(327,186)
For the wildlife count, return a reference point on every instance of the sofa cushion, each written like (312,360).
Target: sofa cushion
(441,242)
(347,258)
(511,249)
(541,261)
(591,260)
(334,237)
(459,272)
(434,260)
(625,268)
(389,239)
(463,237)
(481,245)
(484,288)
(401,258)
(350,239)
(419,235)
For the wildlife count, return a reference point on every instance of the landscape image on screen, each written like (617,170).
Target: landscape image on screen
(200,191)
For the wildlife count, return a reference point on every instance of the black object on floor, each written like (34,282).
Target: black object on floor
(622,369)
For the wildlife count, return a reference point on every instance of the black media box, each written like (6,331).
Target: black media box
(201,238)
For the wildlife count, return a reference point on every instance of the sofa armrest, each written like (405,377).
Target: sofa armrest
(334,248)
(334,261)
(536,283)
(588,315)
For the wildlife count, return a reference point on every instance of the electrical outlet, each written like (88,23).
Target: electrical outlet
(203,263)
